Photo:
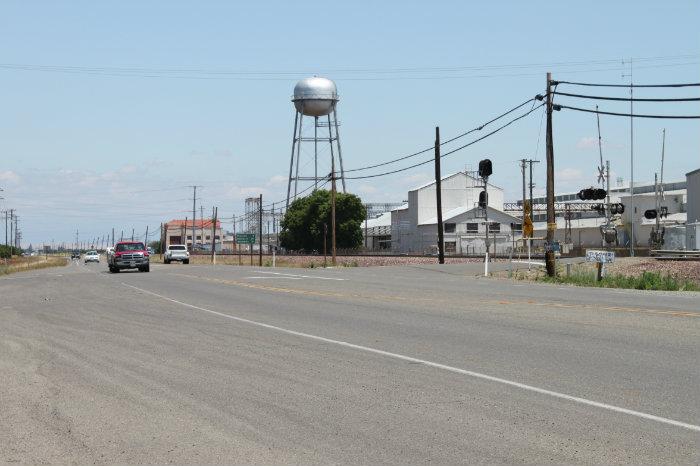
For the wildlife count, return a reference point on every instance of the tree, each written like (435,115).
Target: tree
(155,245)
(303,223)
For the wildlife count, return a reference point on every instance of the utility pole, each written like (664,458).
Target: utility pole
(333,210)
(532,184)
(146,242)
(551,219)
(12,242)
(132,234)
(201,217)
(438,194)
(260,240)
(194,216)
(215,214)
(522,169)
(112,236)
(76,240)
(631,209)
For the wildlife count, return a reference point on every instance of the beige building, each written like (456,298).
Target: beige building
(180,232)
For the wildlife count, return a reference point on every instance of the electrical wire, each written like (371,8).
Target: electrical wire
(627,85)
(428,149)
(626,99)
(673,117)
(451,151)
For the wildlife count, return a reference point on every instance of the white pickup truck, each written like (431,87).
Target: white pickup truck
(176,252)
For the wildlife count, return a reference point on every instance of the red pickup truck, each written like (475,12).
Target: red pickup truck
(129,255)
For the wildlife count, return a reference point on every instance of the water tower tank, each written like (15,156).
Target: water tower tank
(315,96)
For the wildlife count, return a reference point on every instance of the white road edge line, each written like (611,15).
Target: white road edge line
(303,276)
(436,365)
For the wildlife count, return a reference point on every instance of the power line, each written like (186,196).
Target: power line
(428,149)
(627,99)
(451,151)
(626,85)
(673,117)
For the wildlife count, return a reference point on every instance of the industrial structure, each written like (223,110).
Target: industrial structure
(414,225)
(314,97)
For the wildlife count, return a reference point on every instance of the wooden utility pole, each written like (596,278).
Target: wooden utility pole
(333,210)
(551,219)
(325,235)
(260,239)
(438,194)
(215,214)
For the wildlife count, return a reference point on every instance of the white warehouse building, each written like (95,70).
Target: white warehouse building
(414,225)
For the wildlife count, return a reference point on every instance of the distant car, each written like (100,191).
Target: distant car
(92,256)
(151,251)
(75,254)
(176,252)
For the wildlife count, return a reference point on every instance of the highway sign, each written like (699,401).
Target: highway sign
(604,257)
(245,238)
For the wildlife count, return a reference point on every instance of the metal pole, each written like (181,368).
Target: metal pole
(438,198)
(551,219)
(332,210)
(296,176)
(632,216)
(340,153)
(260,240)
(315,153)
(291,162)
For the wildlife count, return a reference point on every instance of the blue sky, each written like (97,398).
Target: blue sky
(168,94)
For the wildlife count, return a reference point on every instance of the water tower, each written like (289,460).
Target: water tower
(314,97)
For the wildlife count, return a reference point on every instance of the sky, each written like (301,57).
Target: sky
(110,110)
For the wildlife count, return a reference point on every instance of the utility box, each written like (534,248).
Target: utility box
(692,241)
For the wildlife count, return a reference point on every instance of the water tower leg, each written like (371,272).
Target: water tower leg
(340,154)
(315,153)
(291,162)
(296,176)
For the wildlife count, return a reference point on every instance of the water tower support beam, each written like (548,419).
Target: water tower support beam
(291,162)
(296,176)
(340,154)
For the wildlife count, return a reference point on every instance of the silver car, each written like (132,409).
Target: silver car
(176,252)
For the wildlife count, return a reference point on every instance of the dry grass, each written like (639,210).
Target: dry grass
(21,264)
(317,261)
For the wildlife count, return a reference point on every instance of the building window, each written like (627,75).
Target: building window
(495,227)
(450,247)
(189,238)
(450,227)
(472,227)
(516,226)
(208,237)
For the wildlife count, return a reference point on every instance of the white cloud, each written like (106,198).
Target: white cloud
(9,177)
(367,189)
(569,175)
(277,180)
(591,142)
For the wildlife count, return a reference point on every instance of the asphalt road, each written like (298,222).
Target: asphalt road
(395,365)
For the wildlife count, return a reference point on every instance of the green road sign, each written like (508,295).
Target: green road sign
(245,238)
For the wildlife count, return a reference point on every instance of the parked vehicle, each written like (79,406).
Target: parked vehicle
(92,256)
(109,251)
(129,255)
(75,254)
(176,252)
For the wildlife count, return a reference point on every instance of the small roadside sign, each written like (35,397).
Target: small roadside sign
(604,257)
(554,246)
(245,238)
